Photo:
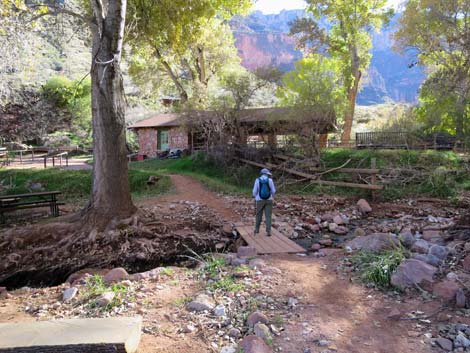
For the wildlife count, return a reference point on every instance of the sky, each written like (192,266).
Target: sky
(275,6)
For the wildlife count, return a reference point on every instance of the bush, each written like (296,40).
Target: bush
(377,268)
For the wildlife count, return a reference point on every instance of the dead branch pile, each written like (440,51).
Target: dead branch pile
(47,254)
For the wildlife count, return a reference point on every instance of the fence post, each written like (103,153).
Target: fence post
(373,165)
(45,162)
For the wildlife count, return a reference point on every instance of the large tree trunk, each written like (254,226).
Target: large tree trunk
(352,94)
(111,196)
(349,113)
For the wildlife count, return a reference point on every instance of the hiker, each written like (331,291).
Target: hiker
(263,192)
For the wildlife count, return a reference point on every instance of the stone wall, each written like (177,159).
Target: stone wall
(148,141)
(178,138)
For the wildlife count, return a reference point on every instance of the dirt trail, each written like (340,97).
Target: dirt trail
(350,317)
(189,189)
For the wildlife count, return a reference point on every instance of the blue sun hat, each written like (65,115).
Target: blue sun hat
(265,171)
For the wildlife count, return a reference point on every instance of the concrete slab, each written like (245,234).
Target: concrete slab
(108,335)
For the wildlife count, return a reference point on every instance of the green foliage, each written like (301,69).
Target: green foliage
(95,286)
(75,97)
(212,265)
(315,82)
(186,41)
(438,32)
(442,105)
(181,302)
(377,268)
(76,184)
(347,39)
(226,284)
(167,272)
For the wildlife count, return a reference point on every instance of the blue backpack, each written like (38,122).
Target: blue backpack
(264,188)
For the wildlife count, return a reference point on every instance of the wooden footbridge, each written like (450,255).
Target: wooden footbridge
(275,244)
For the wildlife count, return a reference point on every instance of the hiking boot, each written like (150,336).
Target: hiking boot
(268,234)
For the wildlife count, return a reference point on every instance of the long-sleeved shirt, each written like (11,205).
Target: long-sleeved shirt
(256,188)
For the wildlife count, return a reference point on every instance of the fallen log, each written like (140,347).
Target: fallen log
(313,179)
(340,170)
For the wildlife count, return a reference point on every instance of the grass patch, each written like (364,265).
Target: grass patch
(445,173)
(226,284)
(76,184)
(377,268)
(236,180)
(95,286)
(167,272)
(181,302)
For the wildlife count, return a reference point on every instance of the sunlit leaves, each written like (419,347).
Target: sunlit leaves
(315,82)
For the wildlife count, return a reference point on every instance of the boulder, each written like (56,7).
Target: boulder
(341,230)
(254,344)
(461,341)
(105,299)
(411,272)
(315,247)
(326,242)
(433,260)
(374,242)
(363,206)
(332,227)
(446,290)
(359,232)
(200,303)
(420,246)
(407,239)
(246,251)
(263,332)
(433,236)
(117,274)
(256,317)
(256,264)
(429,259)
(227,229)
(220,311)
(439,251)
(238,261)
(338,220)
(69,294)
(234,332)
(445,344)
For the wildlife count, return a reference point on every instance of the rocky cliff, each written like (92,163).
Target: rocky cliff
(263,40)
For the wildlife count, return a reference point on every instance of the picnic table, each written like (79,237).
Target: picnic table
(9,203)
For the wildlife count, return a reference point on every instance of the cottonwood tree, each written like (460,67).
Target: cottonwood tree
(110,196)
(189,40)
(438,31)
(346,36)
(313,87)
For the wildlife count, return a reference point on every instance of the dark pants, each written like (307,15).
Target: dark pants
(265,206)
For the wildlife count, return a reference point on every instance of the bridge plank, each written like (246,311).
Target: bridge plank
(276,244)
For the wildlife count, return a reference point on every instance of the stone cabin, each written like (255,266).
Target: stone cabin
(179,130)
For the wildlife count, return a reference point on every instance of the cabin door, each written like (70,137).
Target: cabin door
(162,140)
